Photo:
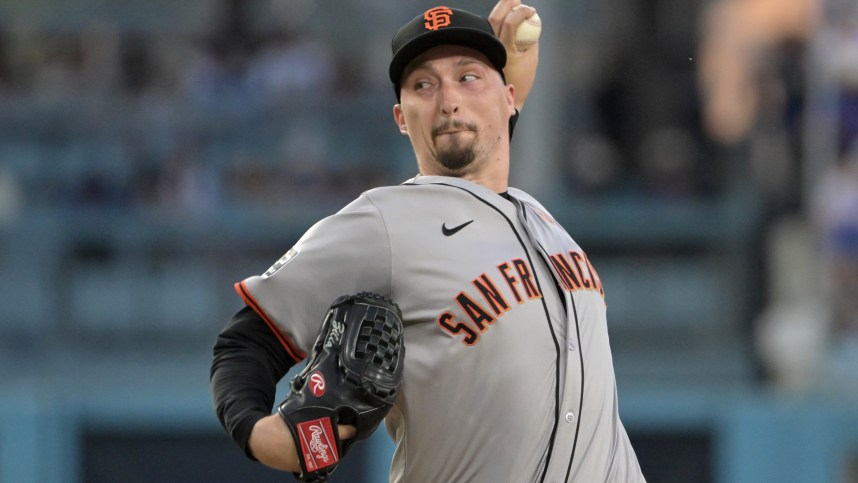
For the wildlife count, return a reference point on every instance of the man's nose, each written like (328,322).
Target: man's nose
(449,99)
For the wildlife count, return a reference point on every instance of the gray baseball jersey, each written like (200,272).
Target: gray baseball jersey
(508,371)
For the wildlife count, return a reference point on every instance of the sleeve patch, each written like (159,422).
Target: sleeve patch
(292,253)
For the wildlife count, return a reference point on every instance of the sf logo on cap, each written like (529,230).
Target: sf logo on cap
(437,17)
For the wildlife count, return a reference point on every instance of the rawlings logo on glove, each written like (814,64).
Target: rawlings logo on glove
(317,384)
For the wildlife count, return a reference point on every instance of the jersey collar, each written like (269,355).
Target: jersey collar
(458,182)
(497,199)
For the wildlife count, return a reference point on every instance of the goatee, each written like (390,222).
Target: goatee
(456,156)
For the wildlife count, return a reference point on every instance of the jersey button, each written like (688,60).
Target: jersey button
(571,346)
(570,417)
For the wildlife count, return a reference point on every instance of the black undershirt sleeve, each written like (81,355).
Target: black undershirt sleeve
(248,363)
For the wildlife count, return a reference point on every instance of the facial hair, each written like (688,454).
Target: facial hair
(456,155)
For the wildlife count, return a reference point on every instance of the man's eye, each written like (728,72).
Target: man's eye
(419,85)
(469,78)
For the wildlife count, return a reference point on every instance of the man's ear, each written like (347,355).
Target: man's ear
(399,118)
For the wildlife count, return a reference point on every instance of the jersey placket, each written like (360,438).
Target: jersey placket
(571,359)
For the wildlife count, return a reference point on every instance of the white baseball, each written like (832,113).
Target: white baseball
(528,32)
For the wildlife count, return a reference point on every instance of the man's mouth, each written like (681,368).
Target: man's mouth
(453,128)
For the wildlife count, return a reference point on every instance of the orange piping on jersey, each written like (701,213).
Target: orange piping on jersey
(294,352)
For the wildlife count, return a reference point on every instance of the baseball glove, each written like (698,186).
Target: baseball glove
(352,377)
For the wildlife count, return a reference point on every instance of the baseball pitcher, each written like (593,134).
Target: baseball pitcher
(482,322)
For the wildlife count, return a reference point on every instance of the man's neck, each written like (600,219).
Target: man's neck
(498,184)
(494,177)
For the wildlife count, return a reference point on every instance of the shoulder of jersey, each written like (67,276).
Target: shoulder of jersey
(517,193)
(397,190)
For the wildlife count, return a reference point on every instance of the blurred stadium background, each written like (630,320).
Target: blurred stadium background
(154,152)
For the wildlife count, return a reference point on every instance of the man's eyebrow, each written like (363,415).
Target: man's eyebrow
(427,65)
(469,60)
(462,61)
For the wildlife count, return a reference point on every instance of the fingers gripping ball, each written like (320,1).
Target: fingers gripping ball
(352,377)
(528,32)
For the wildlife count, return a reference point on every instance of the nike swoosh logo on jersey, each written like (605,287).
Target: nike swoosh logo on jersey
(452,231)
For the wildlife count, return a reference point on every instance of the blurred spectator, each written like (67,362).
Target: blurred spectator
(11,197)
(137,69)
(738,36)
(668,160)
(145,183)
(842,56)
(594,165)
(5,68)
(304,155)
(55,68)
(186,186)
(240,65)
(290,66)
(793,332)
(631,79)
(99,59)
(95,190)
(251,181)
(835,213)
(216,75)
(751,73)
(68,65)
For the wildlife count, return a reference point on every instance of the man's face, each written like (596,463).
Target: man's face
(455,109)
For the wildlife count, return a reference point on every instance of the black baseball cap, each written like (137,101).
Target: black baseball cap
(443,26)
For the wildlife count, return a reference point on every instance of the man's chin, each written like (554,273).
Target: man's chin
(456,161)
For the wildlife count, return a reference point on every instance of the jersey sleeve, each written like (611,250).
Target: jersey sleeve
(342,254)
